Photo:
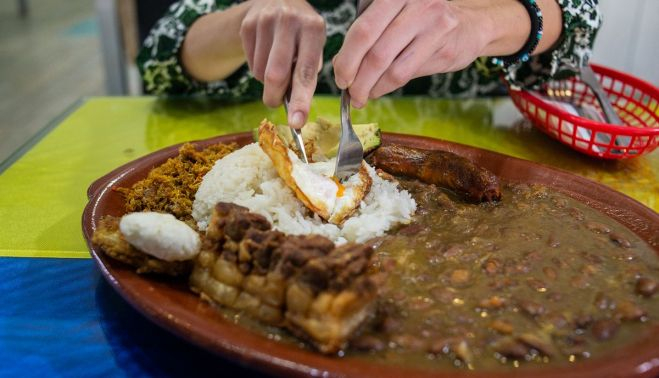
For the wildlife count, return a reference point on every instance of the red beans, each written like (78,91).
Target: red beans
(604,329)
(492,303)
(410,342)
(603,301)
(531,308)
(576,214)
(368,343)
(598,227)
(646,287)
(628,310)
(579,281)
(536,284)
(411,230)
(557,320)
(583,320)
(550,272)
(539,341)
(492,266)
(619,240)
(442,294)
(553,241)
(391,324)
(420,303)
(502,326)
(511,348)
(460,278)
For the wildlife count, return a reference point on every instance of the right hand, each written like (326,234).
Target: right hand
(283,42)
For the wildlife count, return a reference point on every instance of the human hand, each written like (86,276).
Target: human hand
(283,42)
(395,41)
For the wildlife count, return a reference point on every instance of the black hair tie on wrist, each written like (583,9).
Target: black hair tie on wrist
(534,37)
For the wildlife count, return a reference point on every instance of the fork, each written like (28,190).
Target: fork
(588,77)
(351,152)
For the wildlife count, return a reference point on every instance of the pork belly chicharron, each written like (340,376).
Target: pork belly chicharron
(318,291)
(441,168)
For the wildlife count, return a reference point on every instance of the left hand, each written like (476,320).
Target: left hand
(395,41)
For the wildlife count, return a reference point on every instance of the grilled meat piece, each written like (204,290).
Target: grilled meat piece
(108,236)
(441,168)
(233,221)
(304,283)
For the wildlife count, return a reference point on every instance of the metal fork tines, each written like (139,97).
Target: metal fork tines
(296,133)
(351,153)
(588,77)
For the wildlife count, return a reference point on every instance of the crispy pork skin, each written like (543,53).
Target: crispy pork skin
(318,291)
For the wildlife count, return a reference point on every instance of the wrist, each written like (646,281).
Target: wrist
(212,47)
(482,20)
(504,25)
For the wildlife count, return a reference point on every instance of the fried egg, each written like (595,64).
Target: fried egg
(313,183)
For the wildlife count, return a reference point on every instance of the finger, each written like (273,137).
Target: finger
(361,36)
(398,35)
(441,61)
(264,31)
(305,76)
(404,68)
(278,69)
(248,39)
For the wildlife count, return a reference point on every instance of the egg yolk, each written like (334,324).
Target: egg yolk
(339,193)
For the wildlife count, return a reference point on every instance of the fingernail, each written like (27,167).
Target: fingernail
(356,104)
(341,84)
(297,119)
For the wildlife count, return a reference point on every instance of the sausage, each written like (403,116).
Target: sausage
(441,168)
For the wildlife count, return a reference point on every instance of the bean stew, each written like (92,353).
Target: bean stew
(538,278)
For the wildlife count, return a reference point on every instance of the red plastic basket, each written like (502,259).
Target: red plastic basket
(635,101)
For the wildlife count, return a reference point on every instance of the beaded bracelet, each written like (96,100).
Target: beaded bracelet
(534,37)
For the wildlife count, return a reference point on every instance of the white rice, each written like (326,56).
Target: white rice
(247,177)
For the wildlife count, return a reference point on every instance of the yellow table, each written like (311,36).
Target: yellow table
(42,189)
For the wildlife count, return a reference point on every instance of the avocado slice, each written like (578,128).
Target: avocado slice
(324,136)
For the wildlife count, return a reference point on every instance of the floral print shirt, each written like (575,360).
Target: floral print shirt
(163,73)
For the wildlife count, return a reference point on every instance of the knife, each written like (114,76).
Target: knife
(296,133)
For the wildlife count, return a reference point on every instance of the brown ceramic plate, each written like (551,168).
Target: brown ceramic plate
(175,308)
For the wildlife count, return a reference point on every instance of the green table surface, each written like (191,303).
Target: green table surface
(42,188)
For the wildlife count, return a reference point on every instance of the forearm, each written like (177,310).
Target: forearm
(212,48)
(506,24)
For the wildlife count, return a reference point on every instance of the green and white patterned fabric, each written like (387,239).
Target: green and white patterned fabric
(163,73)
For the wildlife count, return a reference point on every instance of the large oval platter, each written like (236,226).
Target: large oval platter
(172,306)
